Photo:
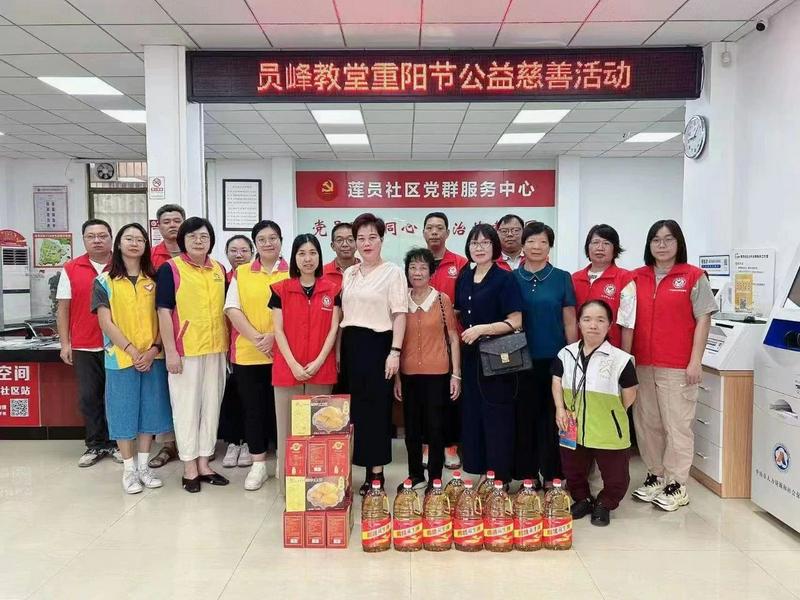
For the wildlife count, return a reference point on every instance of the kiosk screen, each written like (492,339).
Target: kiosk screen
(793,299)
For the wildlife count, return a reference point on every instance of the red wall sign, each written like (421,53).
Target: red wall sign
(425,189)
(19,395)
(553,74)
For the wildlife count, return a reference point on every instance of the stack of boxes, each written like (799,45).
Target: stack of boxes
(317,467)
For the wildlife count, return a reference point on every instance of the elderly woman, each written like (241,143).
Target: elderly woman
(550,324)
(488,304)
(673,317)
(603,280)
(190,295)
(430,368)
(252,340)
(375,305)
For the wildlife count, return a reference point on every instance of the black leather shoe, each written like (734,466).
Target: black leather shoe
(582,508)
(601,516)
(191,485)
(214,479)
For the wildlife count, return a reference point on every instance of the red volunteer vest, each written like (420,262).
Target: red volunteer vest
(306,324)
(664,318)
(608,287)
(444,279)
(84,329)
(159,255)
(331,272)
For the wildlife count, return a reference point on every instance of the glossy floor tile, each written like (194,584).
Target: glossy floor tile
(71,533)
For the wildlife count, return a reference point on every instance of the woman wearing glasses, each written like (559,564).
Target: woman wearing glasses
(488,304)
(674,304)
(548,312)
(190,295)
(252,340)
(603,280)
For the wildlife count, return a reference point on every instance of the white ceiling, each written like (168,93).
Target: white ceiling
(105,38)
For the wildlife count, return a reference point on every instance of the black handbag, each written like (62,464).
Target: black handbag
(504,354)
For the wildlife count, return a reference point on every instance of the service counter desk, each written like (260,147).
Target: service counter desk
(38,392)
(724,419)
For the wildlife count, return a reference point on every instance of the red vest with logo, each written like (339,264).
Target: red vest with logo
(84,329)
(306,324)
(444,279)
(608,287)
(665,320)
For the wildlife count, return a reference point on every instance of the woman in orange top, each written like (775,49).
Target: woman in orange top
(430,367)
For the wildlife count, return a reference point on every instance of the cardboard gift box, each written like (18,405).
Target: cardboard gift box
(315,529)
(320,415)
(293,526)
(338,524)
(330,455)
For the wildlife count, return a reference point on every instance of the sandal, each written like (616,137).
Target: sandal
(165,455)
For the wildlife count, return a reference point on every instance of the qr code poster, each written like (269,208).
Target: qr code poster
(19,395)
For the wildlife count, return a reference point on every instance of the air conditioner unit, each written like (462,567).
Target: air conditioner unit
(103,172)
(15,277)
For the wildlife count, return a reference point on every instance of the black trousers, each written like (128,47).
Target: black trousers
(231,414)
(536,454)
(426,400)
(364,355)
(91,376)
(254,385)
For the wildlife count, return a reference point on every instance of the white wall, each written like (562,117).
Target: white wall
(766,199)
(629,194)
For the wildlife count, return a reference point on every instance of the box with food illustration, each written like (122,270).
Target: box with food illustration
(320,415)
(316,493)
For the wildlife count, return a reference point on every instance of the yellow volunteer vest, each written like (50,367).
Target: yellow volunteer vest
(198,320)
(133,310)
(254,294)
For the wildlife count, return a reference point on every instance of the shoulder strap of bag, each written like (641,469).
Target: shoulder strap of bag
(446,333)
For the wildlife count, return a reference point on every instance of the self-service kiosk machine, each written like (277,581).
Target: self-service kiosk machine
(776,407)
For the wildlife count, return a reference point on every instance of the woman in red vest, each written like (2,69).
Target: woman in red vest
(603,280)
(306,310)
(674,304)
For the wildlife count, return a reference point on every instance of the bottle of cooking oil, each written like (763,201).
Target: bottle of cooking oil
(527,518)
(557,533)
(468,520)
(486,487)
(407,520)
(376,522)
(437,523)
(454,488)
(498,521)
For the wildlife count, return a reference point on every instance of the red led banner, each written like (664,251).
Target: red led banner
(602,74)
(425,189)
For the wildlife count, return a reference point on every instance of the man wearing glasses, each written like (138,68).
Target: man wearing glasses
(344,245)
(509,228)
(82,340)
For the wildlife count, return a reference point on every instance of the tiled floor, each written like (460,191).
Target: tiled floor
(70,533)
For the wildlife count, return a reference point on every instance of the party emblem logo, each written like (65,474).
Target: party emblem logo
(610,290)
(679,283)
(327,301)
(327,189)
(452,271)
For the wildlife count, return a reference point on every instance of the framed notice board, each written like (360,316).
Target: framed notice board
(241,204)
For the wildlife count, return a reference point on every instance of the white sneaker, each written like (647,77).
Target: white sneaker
(90,457)
(256,477)
(245,458)
(115,455)
(149,478)
(130,482)
(653,485)
(672,497)
(451,458)
(231,456)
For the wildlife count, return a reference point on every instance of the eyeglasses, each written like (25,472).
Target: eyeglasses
(133,240)
(506,231)
(341,241)
(100,237)
(600,244)
(480,244)
(665,241)
(202,237)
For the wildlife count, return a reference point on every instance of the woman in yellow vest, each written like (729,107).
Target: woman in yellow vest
(252,339)
(137,398)
(190,297)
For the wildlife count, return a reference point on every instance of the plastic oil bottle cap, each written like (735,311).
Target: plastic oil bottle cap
(437,483)
(407,484)
(557,483)
(527,484)
(489,474)
(456,474)
(498,484)
(468,484)
(376,484)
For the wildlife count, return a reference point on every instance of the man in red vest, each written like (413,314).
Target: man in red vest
(170,217)
(344,246)
(82,340)
(509,228)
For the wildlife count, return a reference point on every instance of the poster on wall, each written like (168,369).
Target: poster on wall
(753,280)
(50,208)
(44,283)
(156,191)
(716,265)
(51,249)
(155,233)
(403,198)
(19,395)
(241,204)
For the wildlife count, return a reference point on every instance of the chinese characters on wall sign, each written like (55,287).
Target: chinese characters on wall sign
(19,395)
